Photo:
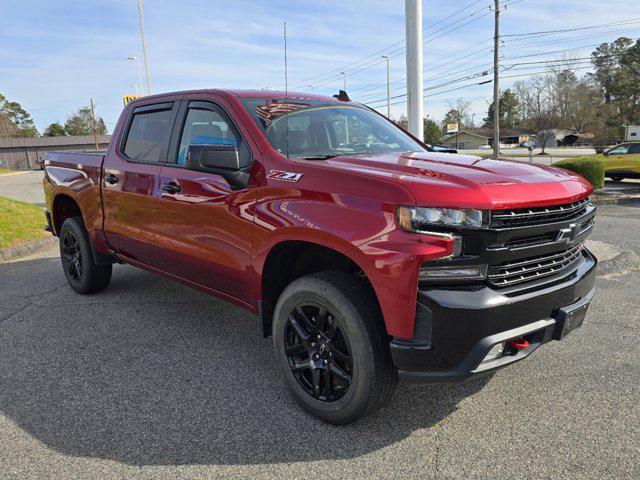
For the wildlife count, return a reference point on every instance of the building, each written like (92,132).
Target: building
(474,139)
(632,133)
(24,153)
(514,137)
(465,140)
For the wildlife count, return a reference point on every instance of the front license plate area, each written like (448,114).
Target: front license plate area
(569,319)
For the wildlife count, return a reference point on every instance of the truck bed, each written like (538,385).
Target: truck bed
(77,175)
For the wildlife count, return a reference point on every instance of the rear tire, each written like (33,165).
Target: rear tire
(616,178)
(332,347)
(78,264)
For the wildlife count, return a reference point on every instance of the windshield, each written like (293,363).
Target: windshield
(314,129)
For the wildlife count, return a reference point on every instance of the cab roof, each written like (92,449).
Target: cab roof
(246,94)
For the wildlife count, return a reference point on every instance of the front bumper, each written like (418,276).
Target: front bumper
(459,325)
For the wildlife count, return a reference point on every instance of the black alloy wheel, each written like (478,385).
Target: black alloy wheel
(332,347)
(72,256)
(78,263)
(318,352)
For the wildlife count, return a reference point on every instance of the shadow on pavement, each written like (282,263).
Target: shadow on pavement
(153,373)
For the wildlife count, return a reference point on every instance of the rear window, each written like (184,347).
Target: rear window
(147,134)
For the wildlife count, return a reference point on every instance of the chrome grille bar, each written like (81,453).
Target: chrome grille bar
(538,214)
(533,268)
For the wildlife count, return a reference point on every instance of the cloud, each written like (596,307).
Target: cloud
(54,59)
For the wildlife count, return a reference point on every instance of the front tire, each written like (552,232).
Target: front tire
(332,348)
(82,273)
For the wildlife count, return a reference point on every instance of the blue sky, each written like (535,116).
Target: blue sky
(54,56)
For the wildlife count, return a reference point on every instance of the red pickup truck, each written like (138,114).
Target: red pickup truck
(368,257)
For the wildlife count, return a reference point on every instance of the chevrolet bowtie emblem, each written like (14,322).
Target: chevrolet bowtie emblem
(567,235)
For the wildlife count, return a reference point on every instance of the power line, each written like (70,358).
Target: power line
(528,41)
(545,64)
(377,61)
(590,27)
(396,51)
(541,65)
(392,46)
(428,67)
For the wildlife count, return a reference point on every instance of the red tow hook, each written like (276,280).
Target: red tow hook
(518,343)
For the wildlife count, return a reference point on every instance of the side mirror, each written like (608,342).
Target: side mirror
(221,159)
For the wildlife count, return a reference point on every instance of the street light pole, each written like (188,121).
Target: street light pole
(415,93)
(496,82)
(135,59)
(144,47)
(386,57)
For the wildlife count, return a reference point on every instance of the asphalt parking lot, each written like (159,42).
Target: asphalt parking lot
(150,379)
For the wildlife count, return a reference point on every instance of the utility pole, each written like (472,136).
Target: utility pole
(496,82)
(144,47)
(93,122)
(344,78)
(386,57)
(415,93)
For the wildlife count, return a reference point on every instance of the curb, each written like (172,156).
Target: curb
(25,249)
(13,174)
(613,199)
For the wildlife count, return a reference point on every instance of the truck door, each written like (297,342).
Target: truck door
(207,226)
(131,180)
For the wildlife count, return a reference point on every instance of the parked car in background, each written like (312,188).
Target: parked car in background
(622,161)
(485,147)
(441,149)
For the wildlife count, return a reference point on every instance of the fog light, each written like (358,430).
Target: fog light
(496,352)
(461,273)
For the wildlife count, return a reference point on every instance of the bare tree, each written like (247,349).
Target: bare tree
(540,112)
(460,112)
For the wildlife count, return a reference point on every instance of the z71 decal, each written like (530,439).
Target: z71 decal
(286,176)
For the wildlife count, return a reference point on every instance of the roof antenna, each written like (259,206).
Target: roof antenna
(342,96)
(286,92)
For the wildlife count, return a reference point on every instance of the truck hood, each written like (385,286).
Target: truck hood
(466,181)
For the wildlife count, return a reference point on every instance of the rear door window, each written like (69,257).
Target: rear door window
(148,135)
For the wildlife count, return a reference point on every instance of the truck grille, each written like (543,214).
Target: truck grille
(525,242)
(539,215)
(533,268)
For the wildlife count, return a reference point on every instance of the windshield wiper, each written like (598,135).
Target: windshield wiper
(321,157)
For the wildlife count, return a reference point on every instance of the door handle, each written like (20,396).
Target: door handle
(171,187)
(111,179)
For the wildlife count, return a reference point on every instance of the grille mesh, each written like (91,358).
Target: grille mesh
(538,215)
(533,268)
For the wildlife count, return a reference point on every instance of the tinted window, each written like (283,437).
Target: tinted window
(211,126)
(635,148)
(304,128)
(619,150)
(147,134)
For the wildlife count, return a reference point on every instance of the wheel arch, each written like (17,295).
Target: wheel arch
(291,257)
(63,207)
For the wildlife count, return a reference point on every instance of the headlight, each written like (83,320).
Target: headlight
(419,219)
